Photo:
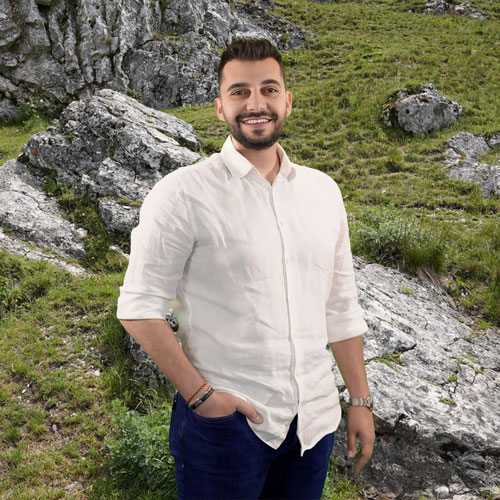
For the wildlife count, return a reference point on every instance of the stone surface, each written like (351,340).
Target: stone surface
(52,52)
(118,217)
(441,7)
(32,216)
(436,412)
(420,113)
(112,148)
(14,246)
(463,154)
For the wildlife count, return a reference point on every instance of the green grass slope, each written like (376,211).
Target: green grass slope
(73,424)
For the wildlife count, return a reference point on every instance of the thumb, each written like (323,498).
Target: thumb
(248,410)
(351,444)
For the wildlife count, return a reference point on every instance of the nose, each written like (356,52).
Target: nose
(256,102)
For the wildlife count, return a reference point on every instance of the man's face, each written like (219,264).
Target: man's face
(253,102)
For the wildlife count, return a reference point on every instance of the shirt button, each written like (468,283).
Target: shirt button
(281,222)
(286,261)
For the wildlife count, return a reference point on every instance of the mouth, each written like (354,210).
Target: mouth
(256,122)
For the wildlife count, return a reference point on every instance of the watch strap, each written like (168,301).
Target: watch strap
(368,402)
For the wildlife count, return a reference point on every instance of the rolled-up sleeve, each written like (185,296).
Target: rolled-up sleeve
(160,246)
(344,315)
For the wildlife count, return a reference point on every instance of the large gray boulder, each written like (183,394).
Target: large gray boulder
(165,53)
(112,145)
(463,154)
(111,148)
(436,385)
(420,113)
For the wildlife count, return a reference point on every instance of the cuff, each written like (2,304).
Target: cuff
(346,325)
(141,306)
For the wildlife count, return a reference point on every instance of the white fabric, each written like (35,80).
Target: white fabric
(263,279)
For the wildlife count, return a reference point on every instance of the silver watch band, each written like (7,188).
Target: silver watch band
(368,402)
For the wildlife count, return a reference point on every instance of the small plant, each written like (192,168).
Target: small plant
(447,401)
(406,290)
(140,455)
(387,236)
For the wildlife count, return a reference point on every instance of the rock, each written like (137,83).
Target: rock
(14,246)
(435,412)
(420,113)
(441,7)
(462,157)
(113,146)
(32,216)
(487,176)
(184,73)
(118,218)
(65,50)
(468,146)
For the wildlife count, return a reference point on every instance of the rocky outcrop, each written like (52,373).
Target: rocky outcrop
(164,53)
(29,214)
(111,148)
(441,7)
(420,113)
(436,385)
(463,154)
(113,145)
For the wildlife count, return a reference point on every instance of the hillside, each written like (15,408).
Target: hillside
(63,355)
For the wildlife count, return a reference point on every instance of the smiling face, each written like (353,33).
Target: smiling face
(253,102)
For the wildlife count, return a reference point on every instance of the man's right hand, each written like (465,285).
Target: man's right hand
(221,404)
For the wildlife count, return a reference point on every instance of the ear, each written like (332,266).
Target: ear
(218,108)
(288,102)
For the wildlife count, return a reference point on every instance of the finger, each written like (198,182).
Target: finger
(351,444)
(362,457)
(248,410)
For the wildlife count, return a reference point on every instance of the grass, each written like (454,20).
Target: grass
(62,357)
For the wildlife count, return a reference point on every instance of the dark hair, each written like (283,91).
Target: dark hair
(250,49)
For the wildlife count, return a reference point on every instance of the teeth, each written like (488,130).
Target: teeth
(257,121)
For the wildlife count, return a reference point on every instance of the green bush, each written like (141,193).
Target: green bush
(386,236)
(140,454)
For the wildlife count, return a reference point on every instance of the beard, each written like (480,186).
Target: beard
(256,139)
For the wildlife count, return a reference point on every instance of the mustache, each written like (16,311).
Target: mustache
(244,116)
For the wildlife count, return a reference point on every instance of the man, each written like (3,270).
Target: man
(256,250)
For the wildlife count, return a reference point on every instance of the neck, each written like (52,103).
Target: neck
(266,161)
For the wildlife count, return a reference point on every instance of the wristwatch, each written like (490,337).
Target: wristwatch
(368,402)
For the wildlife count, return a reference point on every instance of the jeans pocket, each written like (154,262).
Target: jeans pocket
(216,420)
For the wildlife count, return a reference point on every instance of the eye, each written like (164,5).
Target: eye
(270,90)
(238,92)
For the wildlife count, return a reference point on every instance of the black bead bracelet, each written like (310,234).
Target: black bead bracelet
(202,399)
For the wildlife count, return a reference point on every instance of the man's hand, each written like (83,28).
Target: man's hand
(360,424)
(221,404)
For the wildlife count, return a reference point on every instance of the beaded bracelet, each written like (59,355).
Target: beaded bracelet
(202,399)
(197,391)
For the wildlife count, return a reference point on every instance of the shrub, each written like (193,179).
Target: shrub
(387,236)
(140,454)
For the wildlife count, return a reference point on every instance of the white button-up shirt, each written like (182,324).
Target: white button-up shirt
(260,277)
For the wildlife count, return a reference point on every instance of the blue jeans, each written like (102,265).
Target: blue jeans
(222,458)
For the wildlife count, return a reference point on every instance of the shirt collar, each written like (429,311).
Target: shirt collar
(239,166)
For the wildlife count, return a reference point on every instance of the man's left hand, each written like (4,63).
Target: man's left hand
(360,425)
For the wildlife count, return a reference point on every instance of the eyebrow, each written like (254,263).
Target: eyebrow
(244,84)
